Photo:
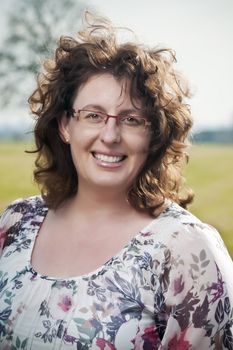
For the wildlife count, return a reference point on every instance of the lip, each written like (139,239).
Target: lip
(110,154)
(108,165)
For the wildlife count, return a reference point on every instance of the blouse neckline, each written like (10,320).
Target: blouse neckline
(99,270)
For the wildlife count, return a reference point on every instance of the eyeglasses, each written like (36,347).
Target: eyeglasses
(94,119)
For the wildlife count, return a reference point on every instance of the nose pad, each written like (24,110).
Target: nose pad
(110,133)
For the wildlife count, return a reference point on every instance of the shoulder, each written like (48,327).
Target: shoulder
(188,241)
(177,215)
(181,233)
(17,213)
(194,280)
(193,249)
(22,207)
(179,227)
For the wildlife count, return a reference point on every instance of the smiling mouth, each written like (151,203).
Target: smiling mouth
(108,159)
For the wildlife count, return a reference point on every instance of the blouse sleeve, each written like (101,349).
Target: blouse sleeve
(198,291)
(7,220)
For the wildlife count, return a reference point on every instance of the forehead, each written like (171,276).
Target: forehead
(107,91)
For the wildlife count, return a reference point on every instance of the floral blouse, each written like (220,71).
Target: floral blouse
(170,287)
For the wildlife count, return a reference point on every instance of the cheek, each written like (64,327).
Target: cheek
(139,157)
(80,144)
(142,159)
(81,141)
(141,152)
(141,147)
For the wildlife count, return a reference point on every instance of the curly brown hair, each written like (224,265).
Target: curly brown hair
(161,89)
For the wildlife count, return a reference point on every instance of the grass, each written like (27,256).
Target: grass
(209,174)
(15,172)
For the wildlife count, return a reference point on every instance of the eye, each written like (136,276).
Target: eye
(93,117)
(132,120)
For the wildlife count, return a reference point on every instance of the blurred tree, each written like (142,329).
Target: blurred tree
(33,31)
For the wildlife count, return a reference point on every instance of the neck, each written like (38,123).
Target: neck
(101,202)
(105,201)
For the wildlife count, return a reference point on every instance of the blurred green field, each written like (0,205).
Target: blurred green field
(209,173)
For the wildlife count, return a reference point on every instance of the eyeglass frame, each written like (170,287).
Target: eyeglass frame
(75,113)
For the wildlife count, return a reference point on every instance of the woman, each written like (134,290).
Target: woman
(107,258)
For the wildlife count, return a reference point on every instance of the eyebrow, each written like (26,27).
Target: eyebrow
(99,108)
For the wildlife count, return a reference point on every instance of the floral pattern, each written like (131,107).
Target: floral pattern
(169,288)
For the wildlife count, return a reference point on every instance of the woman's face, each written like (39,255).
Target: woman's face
(107,157)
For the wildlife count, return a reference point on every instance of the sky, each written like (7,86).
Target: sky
(200,32)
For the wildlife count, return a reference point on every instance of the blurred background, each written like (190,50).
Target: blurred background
(201,34)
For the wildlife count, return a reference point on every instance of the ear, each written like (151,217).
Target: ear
(64,128)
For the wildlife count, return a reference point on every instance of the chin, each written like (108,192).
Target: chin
(114,185)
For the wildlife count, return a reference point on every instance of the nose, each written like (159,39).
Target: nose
(110,133)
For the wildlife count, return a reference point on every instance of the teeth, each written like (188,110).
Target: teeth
(108,159)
